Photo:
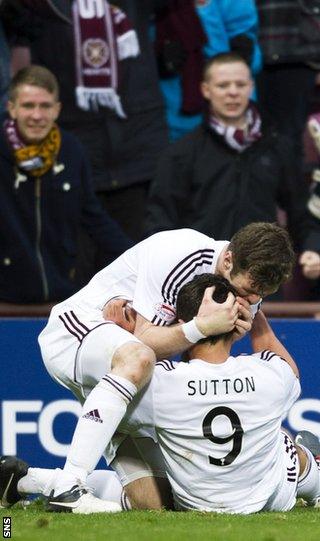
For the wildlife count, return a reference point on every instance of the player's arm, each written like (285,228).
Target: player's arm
(263,337)
(213,318)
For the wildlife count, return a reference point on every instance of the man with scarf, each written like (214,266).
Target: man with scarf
(46,195)
(232,170)
(103,56)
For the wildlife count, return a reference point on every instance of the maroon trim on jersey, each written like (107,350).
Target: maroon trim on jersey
(172,284)
(182,273)
(73,325)
(267,355)
(120,388)
(166,364)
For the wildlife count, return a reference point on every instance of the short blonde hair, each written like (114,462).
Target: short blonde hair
(35,76)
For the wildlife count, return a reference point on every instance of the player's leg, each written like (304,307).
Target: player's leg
(141,470)
(283,497)
(131,363)
(308,448)
(18,480)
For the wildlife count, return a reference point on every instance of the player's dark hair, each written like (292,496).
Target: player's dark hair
(191,294)
(35,76)
(265,251)
(222,58)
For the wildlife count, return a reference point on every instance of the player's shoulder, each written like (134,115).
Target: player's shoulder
(166,365)
(271,360)
(172,370)
(267,356)
(180,242)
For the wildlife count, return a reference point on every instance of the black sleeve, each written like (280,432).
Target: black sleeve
(168,201)
(303,227)
(244,46)
(106,232)
(21,24)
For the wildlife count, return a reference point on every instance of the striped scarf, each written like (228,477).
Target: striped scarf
(103,35)
(239,138)
(36,159)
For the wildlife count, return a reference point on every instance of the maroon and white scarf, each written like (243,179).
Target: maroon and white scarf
(103,36)
(239,138)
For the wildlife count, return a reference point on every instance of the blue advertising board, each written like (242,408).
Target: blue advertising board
(37,416)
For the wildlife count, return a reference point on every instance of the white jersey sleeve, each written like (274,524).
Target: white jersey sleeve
(167,261)
(291,384)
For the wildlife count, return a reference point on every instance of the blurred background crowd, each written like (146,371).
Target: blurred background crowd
(174,113)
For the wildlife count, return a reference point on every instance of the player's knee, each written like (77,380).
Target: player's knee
(134,361)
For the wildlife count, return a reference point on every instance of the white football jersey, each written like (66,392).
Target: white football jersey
(150,274)
(218,426)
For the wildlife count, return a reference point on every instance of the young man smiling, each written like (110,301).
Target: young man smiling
(46,196)
(233,170)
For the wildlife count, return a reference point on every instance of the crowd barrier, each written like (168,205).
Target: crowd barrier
(38,416)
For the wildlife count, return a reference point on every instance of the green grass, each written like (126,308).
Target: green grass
(34,524)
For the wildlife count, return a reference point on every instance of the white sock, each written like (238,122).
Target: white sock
(38,481)
(100,417)
(105,484)
(309,481)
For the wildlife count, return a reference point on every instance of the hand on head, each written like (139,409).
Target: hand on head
(244,321)
(214,317)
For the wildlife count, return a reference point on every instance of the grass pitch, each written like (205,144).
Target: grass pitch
(34,524)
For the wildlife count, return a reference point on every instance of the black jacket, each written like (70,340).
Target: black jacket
(202,183)
(40,221)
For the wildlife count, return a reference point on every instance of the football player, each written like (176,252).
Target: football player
(105,366)
(218,421)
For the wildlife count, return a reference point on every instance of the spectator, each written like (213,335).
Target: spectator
(299,288)
(122,151)
(232,170)
(185,30)
(46,195)
(289,36)
(4,69)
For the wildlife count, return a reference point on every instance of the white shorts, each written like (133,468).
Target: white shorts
(285,495)
(77,349)
(137,458)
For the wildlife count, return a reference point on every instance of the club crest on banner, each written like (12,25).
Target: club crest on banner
(95,52)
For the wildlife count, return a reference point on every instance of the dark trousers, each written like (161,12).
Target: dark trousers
(284,93)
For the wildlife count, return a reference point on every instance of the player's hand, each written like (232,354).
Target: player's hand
(244,322)
(214,317)
(120,312)
(310,263)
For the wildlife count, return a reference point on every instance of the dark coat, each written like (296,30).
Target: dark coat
(202,183)
(40,221)
(289,31)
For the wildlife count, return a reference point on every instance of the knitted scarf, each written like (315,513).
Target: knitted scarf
(103,36)
(239,138)
(35,160)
